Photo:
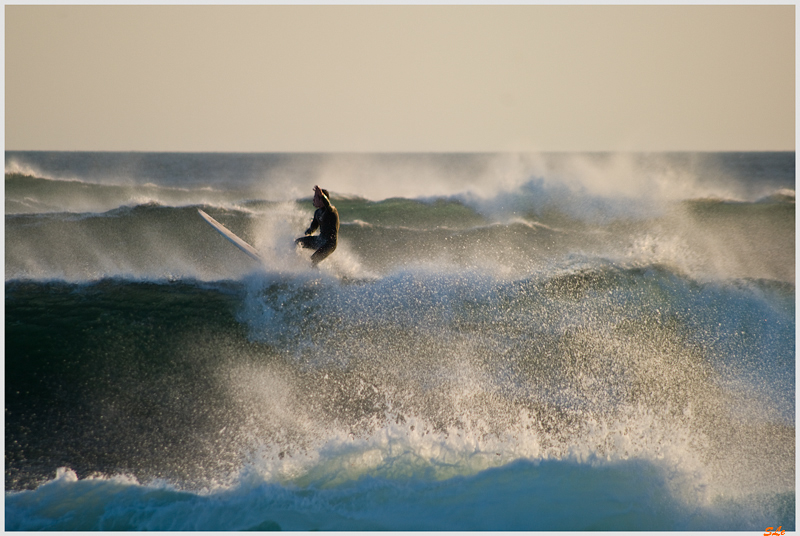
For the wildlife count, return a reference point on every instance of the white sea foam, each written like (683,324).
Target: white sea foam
(548,344)
(406,477)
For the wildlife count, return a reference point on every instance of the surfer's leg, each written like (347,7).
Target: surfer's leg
(310,242)
(323,252)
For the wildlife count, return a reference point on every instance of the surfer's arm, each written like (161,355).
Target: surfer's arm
(314,225)
(325,200)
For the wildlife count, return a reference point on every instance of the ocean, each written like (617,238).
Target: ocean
(560,341)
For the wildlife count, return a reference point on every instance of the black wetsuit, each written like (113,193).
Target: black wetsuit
(327,220)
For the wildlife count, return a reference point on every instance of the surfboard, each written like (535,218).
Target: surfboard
(235,240)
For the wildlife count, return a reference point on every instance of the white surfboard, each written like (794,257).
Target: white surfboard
(235,240)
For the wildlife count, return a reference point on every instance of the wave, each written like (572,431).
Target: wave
(704,238)
(497,342)
(227,398)
(504,498)
(646,178)
(32,194)
(26,194)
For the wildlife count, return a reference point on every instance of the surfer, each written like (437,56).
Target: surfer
(326,219)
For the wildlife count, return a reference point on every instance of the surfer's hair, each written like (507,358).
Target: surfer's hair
(324,191)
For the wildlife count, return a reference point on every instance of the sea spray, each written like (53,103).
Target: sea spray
(503,342)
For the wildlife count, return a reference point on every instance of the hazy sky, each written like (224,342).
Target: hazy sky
(400,78)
